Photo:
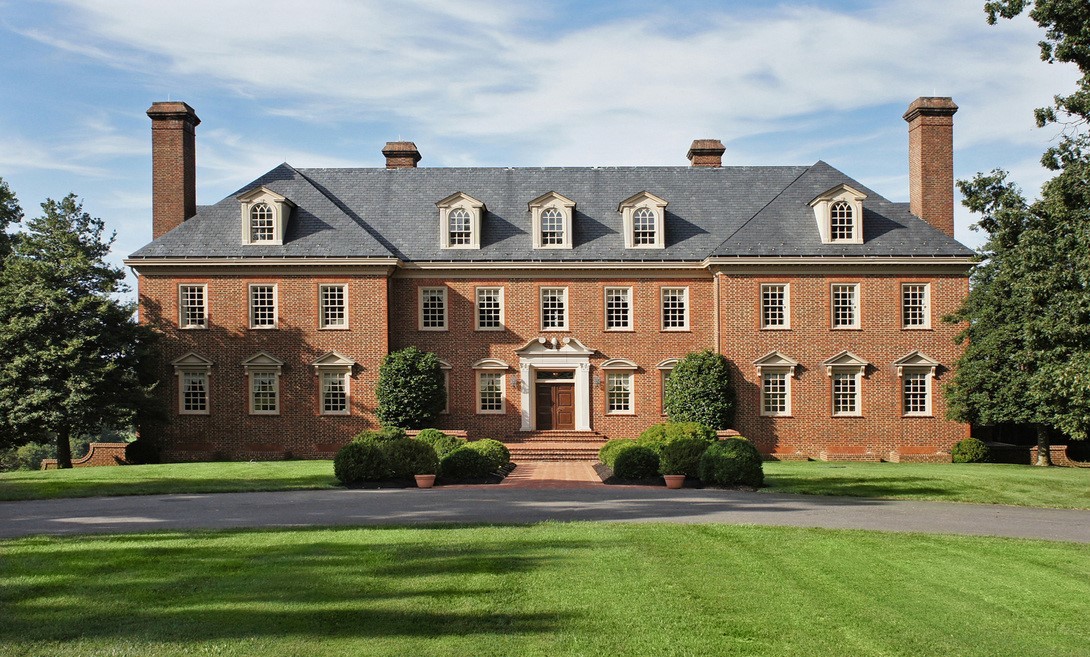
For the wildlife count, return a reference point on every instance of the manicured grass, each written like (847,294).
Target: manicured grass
(550,589)
(984,483)
(167,478)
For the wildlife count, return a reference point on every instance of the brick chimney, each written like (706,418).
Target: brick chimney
(401,155)
(931,160)
(706,153)
(173,165)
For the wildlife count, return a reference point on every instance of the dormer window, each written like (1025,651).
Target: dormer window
(265,216)
(551,216)
(839,215)
(460,222)
(644,221)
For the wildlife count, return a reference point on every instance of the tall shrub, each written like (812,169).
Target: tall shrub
(699,390)
(410,389)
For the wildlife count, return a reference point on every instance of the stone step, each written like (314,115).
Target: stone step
(523,437)
(588,455)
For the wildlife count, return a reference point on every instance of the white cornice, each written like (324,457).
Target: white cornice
(836,261)
(540,264)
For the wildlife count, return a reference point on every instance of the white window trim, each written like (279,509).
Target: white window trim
(926,307)
(181,307)
(823,213)
(475,208)
(541,307)
(857,309)
(321,308)
(192,363)
(503,392)
(276,384)
(264,363)
(539,205)
(347,392)
(420,309)
(929,375)
(445,367)
(788,376)
(276,305)
(281,210)
(628,208)
(625,367)
(631,309)
(662,308)
(858,375)
(477,309)
(786,307)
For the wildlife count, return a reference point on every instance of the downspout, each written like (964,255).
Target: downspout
(715,297)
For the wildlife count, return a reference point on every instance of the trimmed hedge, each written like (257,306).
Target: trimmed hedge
(410,389)
(699,390)
(142,451)
(970,450)
(495,451)
(439,441)
(465,463)
(360,460)
(405,458)
(608,453)
(636,462)
(380,435)
(730,463)
(682,456)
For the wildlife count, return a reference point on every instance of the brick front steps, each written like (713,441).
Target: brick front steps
(554,445)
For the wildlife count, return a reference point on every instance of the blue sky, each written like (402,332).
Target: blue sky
(503,83)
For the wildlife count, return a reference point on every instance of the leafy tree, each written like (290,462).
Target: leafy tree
(74,358)
(410,389)
(699,390)
(1027,357)
(10,213)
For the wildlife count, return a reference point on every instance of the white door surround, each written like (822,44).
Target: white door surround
(554,354)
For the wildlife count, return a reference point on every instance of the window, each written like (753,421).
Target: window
(334,393)
(774,399)
(915,306)
(490,392)
(675,309)
(916,393)
(618,309)
(643,218)
(551,218)
(842,222)
(490,309)
(264,216)
(264,393)
(433,309)
(665,368)
(460,221)
(845,393)
(261,223)
(262,306)
(552,227)
(644,227)
(333,300)
(619,392)
(445,366)
(192,306)
(845,305)
(839,215)
(554,308)
(461,232)
(775,311)
(194,393)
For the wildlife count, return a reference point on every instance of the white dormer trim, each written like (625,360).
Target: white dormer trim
(332,361)
(775,361)
(460,201)
(916,361)
(823,213)
(646,201)
(557,202)
(281,211)
(845,361)
(622,364)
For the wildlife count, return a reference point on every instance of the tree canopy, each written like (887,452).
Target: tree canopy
(410,389)
(699,390)
(10,213)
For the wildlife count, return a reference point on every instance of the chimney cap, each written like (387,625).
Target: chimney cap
(706,153)
(400,154)
(931,106)
(172,110)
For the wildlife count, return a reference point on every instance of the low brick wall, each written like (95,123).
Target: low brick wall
(1058,453)
(97,454)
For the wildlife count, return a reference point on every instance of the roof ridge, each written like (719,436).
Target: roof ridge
(350,214)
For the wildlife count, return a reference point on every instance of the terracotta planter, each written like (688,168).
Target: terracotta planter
(425,481)
(674,481)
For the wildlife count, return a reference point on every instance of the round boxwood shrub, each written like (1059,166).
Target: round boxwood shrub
(439,441)
(405,458)
(465,463)
(380,435)
(730,463)
(495,451)
(142,451)
(360,460)
(636,462)
(410,389)
(608,453)
(969,450)
(699,390)
(682,456)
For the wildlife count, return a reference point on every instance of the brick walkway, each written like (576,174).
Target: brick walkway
(553,474)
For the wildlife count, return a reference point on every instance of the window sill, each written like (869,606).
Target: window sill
(504,412)
(264,328)
(620,330)
(846,415)
(916,328)
(334,414)
(197,413)
(193,328)
(620,413)
(775,328)
(556,330)
(265,413)
(675,330)
(332,328)
(497,329)
(918,415)
(845,328)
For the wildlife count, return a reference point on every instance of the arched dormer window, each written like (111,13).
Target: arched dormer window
(265,216)
(552,227)
(644,219)
(551,216)
(460,225)
(460,221)
(839,215)
(842,222)
(644,229)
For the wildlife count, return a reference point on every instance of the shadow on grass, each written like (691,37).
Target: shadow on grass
(858,486)
(13,489)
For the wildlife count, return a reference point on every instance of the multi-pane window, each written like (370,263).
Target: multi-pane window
(618,308)
(194,398)
(643,227)
(489,392)
(552,227)
(915,310)
(845,305)
(334,305)
(554,308)
(433,309)
(915,391)
(334,393)
(774,306)
(262,306)
(842,221)
(261,223)
(460,227)
(774,393)
(192,306)
(845,393)
(489,308)
(618,392)
(675,308)
(264,392)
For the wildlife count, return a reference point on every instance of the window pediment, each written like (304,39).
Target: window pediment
(776,361)
(839,215)
(192,362)
(916,361)
(554,346)
(619,364)
(460,221)
(490,364)
(265,216)
(333,362)
(263,362)
(551,220)
(668,364)
(845,361)
(643,216)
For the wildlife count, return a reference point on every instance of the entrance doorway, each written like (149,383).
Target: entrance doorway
(555,400)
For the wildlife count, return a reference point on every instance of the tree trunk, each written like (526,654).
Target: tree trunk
(64,451)
(1044,454)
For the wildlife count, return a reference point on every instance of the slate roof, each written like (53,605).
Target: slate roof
(727,211)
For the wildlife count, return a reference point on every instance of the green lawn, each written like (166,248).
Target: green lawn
(985,483)
(549,589)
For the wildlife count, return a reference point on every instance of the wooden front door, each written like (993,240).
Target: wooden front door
(555,406)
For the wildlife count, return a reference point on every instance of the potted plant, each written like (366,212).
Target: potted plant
(674,480)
